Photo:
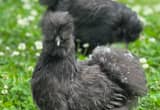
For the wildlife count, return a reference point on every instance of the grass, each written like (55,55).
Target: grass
(20,45)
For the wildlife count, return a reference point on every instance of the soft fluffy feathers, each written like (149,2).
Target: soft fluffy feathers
(98,22)
(124,67)
(60,24)
(59,82)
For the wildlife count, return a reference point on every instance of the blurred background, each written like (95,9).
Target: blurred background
(20,46)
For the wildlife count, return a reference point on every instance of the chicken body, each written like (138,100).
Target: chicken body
(99,22)
(60,82)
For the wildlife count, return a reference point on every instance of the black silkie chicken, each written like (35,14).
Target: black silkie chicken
(99,22)
(59,82)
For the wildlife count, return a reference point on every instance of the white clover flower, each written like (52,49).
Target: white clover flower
(86,45)
(152,39)
(34,13)
(31,18)
(157,8)
(28,34)
(79,50)
(143,60)
(38,45)
(5,87)
(22,46)
(22,21)
(8,48)
(30,68)
(147,11)
(27,6)
(15,53)
(4,92)
(142,37)
(37,54)
(145,66)
(1,53)
(137,8)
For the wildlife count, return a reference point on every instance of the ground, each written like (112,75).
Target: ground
(20,45)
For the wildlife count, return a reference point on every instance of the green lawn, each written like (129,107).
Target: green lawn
(20,45)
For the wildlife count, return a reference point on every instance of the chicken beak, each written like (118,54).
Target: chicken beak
(58,41)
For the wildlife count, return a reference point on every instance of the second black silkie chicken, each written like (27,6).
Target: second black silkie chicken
(99,22)
(60,82)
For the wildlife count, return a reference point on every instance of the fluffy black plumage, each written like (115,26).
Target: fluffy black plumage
(59,82)
(123,67)
(98,22)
